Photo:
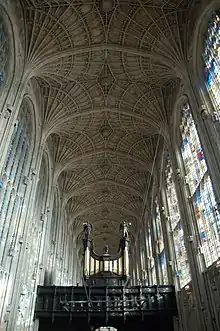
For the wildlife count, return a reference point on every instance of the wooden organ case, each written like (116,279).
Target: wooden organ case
(104,269)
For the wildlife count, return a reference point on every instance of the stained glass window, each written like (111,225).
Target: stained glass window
(211,58)
(158,234)
(181,259)
(12,206)
(195,164)
(200,185)
(3,52)
(151,263)
(208,219)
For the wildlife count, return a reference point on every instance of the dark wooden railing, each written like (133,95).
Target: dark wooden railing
(104,302)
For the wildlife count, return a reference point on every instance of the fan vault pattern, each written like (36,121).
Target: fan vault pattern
(102,69)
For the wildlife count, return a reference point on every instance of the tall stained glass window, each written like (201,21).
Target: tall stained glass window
(3,52)
(151,262)
(200,186)
(211,58)
(12,204)
(182,264)
(158,235)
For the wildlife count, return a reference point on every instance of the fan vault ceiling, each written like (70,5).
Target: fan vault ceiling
(106,71)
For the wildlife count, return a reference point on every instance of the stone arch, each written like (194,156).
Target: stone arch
(6,49)
(15,64)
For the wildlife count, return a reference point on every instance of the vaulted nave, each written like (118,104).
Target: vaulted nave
(110,165)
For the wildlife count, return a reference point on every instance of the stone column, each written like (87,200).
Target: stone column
(154,245)
(166,236)
(75,265)
(138,259)
(146,255)
(20,263)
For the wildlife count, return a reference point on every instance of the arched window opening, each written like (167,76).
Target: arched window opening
(158,235)
(36,238)
(200,186)
(143,262)
(4,52)
(211,58)
(151,262)
(182,263)
(12,202)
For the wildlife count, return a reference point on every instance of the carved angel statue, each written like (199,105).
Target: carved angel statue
(87,230)
(124,228)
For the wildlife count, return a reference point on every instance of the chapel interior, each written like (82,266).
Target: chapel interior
(109,165)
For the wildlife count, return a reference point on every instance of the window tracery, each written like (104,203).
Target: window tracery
(182,264)
(151,262)
(158,234)
(211,56)
(200,186)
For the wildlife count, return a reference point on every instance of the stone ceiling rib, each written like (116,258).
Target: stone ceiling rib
(127,211)
(97,48)
(80,177)
(105,73)
(135,162)
(106,183)
(66,121)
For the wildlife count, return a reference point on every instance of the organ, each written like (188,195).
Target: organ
(113,269)
(105,297)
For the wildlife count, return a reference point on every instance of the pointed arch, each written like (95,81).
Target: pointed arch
(15,63)
(89,187)
(199,64)
(199,186)
(107,204)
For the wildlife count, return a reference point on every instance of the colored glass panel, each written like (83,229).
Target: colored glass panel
(192,152)
(208,219)
(182,270)
(158,230)
(151,259)
(158,235)
(211,58)
(182,264)
(200,186)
